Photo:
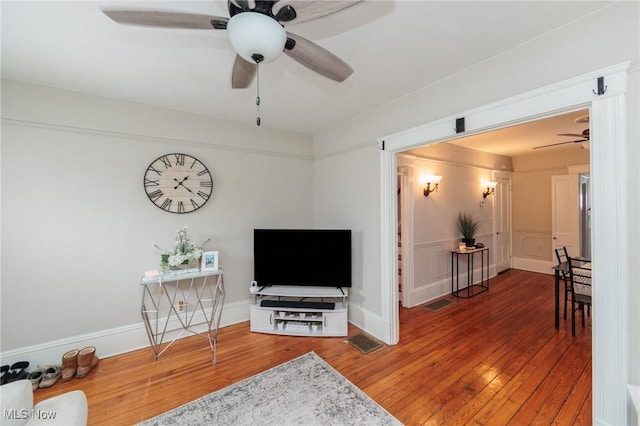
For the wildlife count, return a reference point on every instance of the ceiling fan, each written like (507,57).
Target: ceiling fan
(584,137)
(256,32)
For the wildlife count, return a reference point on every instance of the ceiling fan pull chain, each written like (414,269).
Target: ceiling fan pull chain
(258,92)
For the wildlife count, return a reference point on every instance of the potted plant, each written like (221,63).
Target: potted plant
(468,226)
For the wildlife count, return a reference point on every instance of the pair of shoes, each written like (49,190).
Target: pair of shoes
(45,376)
(50,375)
(17,371)
(78,363)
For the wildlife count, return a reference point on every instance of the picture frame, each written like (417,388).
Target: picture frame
(209,261)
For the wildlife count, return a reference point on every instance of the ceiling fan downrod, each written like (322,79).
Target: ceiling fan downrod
(258,58)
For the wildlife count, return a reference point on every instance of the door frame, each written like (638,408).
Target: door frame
(609,229)
(406,228)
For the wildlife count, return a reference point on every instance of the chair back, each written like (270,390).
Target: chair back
(580,279)
(563,256)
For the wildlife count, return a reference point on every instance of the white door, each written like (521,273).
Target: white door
(502,225)
(565,214)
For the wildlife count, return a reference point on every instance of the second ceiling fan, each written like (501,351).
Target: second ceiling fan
(584,137)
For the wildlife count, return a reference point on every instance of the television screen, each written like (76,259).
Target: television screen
(306,257)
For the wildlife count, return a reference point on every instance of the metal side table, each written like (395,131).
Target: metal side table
(472,289)
(176,303)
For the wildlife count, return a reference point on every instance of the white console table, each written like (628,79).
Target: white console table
(298,316)
(176,303)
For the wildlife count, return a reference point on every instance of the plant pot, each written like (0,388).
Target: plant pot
(469,242)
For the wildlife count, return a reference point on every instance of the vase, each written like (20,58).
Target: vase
(164,263)
(188,264)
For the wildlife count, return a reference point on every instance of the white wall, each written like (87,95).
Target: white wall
(606,38)
(345,202)
(531,202)
(78,228)
(434,217)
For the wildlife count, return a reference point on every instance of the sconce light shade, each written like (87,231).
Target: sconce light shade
(491,188)
(256,37)
(432,183)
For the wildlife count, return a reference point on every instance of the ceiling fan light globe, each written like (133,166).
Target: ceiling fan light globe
(253,33)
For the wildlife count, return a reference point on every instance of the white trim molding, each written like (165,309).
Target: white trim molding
(117,340)
(609,231)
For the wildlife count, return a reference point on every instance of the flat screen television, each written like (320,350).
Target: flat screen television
(302,257)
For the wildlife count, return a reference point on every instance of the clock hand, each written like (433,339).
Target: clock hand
(182,184)
(179,182)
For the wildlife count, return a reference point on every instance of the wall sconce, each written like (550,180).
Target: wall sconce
(491,188)
(431,183)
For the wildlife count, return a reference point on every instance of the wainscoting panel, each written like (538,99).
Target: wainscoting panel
(532,244)
(432,269)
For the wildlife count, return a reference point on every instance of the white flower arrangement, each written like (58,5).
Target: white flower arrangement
(183,250)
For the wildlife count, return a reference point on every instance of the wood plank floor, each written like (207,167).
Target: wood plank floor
(494,359)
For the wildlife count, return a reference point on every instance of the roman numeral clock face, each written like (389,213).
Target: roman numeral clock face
(178,183)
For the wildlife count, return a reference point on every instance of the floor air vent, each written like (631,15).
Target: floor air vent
(364,343)
(438,304)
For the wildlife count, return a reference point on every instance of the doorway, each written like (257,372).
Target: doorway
(502,222)
(608,159)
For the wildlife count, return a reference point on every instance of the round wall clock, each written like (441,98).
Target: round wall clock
(178,183)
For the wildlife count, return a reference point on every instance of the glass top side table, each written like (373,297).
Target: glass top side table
(183,302)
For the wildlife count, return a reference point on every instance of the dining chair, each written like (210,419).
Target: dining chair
(563,256)
(580,279)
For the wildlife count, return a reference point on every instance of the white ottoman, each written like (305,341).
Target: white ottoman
(68,409)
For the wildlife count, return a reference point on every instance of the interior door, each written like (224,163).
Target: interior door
(502,225)
(565,214)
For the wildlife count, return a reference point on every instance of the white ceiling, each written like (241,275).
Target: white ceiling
(395,48)
(527,138)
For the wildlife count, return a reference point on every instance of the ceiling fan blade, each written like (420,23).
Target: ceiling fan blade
(560,143)
(156,18)
(307,10)
(575,135)
(317,58)
(243,73)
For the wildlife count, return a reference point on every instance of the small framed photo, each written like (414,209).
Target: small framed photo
(209,261)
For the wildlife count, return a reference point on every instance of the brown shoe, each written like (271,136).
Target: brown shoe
(69,365)
(87,360)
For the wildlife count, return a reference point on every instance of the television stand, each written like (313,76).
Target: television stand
(299,311)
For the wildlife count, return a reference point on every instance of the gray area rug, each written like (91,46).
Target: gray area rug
(303,391)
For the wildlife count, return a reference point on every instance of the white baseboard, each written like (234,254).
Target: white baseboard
(437,289)
(369,322)
(425,293)
(113,341)
(533,265)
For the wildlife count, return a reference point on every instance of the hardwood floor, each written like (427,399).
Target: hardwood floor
(494,359)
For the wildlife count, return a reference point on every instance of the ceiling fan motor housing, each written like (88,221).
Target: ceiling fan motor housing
(254,35)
